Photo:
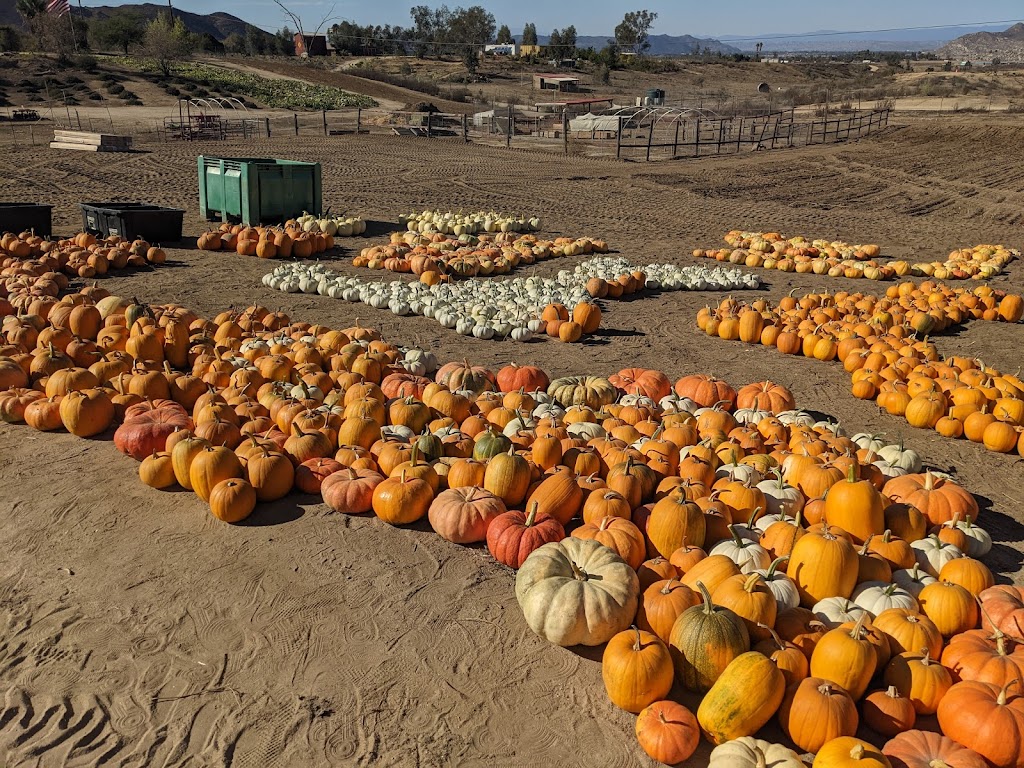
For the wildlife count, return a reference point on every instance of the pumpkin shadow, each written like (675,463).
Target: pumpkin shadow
(1005,531)
(286,510)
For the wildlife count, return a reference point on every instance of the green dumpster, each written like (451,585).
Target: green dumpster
(257,191)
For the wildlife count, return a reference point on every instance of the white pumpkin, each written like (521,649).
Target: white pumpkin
(749,752)
(833,611)
(912,580)
(577,592)
(899,456)
(932,553)
(782,587)
(748,555)
(878,596)
(979,542)
(867,442)
(780,497)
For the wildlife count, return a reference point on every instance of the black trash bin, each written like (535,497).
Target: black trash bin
(18,217)
(133,220)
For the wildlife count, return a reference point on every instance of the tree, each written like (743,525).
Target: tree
(10,40)
(286,42)
(120,30)
(34,13)
(470,30)
(234,43)
(554,46)
(168,41)
(255,41)
(634,29)
(530,34)
(504,35)
(569,41)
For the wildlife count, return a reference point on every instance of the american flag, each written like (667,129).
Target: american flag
(58,7)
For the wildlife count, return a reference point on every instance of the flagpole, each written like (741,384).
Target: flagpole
(71,22)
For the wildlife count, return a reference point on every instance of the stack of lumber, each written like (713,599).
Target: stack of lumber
(90,142)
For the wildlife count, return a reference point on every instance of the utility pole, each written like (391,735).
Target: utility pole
(170,9)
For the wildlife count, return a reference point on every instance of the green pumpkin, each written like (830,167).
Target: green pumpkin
(704,640)
(743,698)
(489,444)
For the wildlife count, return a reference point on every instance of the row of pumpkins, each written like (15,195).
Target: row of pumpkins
(874,339)
(773,251)
(29,256)
(768,561)
(287,242)
(467,255)
(521,309)
(459,223)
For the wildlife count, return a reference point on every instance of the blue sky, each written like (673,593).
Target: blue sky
(599,17)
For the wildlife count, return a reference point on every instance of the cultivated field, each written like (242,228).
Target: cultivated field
(140,631)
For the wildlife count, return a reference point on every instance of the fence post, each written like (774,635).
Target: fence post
(296,116)
(565,132)
(650,138)
(359,119)
(739,136)
(721,136)
(429,126)
(618,140)
(325,122)
(675,141)
(268,126)
(508,126)
(465,128)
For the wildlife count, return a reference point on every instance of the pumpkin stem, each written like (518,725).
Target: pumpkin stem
(892,692)
(858,629)
(774,634)
(857,753)
(751,582)
(775,566)
(532,514)
(709,607)
(636,643)
(578,573)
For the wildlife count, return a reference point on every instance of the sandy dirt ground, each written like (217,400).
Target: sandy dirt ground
(139,631)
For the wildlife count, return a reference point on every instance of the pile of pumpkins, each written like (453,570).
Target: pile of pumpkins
(875,339)
(767,561)
(84,255)
(437,257)
(978,263)
(780,246)
(449,223)
(288,242)
(335,225)
(521,309)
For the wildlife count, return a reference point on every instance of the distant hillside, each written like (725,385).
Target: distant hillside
(1007,46)
(219,25)
(661,45)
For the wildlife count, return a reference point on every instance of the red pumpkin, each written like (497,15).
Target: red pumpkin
(463,515)
(527,378)
(511,537)
(1003,609)
(146,432)
(310,474)
(924,749)
(642,381)
(350,490)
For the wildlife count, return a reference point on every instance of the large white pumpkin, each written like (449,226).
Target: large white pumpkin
(577,592)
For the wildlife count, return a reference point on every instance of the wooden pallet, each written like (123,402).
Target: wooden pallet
(90,142)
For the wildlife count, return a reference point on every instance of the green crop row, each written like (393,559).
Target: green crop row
(275,93)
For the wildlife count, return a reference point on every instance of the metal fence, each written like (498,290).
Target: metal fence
(639,137)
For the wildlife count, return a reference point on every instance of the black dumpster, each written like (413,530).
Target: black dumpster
(133,220)
(18,217)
